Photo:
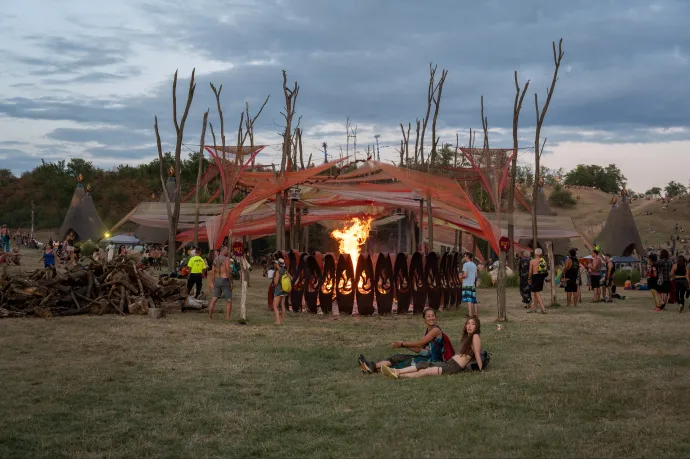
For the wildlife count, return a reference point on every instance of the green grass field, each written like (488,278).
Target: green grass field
(601,381)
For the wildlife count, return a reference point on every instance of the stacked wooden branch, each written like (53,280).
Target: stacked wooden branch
(100,288)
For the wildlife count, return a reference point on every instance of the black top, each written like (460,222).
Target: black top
(680,271)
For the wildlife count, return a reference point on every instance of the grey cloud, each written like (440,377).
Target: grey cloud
(624,69)
(108,136)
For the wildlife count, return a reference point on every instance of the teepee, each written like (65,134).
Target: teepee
(620,236)
(82,218)
(542,207)
(154,234)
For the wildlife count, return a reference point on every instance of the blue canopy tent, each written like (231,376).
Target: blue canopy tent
(122,239)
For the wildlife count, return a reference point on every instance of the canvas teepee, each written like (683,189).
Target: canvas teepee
(152,234)
(620,236)
(542,208)
(82,217)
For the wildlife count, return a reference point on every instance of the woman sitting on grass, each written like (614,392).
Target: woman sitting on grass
(428,349)
(470,352)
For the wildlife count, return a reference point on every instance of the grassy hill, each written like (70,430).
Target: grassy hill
(593,208)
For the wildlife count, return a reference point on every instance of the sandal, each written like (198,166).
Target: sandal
(389,372)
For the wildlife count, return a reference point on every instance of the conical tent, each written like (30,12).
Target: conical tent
(542,208)
(82,217)
(154,234)
(620,236)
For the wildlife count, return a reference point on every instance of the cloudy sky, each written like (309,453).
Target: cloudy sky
(85,79)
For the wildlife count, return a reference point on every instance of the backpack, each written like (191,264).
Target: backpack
(448,351)
(286,282)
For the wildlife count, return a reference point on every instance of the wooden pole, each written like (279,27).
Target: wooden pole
(430,224)
(410,233)
(399,233)
(292,224)
(421,226)
(298,221)
(306,238)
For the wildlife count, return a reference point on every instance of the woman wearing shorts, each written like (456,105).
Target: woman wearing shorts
(278,294)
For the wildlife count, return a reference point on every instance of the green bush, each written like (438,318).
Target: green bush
(619,277)
(88,248)
(485,280)
(560,197)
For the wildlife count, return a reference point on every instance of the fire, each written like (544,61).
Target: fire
(351,238)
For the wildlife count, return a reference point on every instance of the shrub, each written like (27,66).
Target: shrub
(88,248)
(485,280)
(560,197)
(619,277)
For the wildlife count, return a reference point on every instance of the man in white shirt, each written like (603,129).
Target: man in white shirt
(469,281)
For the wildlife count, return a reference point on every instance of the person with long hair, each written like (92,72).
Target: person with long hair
(681,279)
(571,277)
(279,296)
(537,275)
(427,349)
(664,267)
(523,269)
(470,352)
(652,281)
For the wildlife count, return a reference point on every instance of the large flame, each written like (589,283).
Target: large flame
(352,237)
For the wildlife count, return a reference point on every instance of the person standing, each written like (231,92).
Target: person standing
(244,276)
(570,277)
(652,281)
(595,274)
(537,275)
(523,269)
(608,279)
(469,281)
(5,238)
(279,295)
(196,266)
(221,278)
(664,280)
(681,278)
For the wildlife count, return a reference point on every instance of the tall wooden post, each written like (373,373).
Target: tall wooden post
(399,234)
(306,238)
(430,224)
(292,224)
(297,232)
(410,232)
(421,226)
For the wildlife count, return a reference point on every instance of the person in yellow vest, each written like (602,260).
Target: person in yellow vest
(196,266)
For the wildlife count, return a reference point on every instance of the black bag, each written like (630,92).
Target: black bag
(486,358)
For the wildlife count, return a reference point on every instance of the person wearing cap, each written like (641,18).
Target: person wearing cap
(196,266)
(279,295)
(571,273)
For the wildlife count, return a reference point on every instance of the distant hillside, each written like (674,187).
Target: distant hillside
(593,208)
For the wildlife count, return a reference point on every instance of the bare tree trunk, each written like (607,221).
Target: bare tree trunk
(430,97)
(421,226)
(174,214)
(552,272)
(198,181)
(416,144)
(517,107)
(557,58)
(437,106)
(430,224)
(290,101)
(410,232)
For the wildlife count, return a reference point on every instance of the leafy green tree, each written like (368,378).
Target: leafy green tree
(654,191)
(608,179)
(675,189)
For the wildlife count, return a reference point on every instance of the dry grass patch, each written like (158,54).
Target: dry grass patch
(603,380)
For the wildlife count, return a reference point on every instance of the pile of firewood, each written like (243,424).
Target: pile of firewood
(118,286)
